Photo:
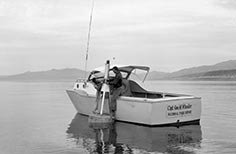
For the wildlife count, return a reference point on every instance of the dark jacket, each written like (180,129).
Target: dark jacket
(117,81)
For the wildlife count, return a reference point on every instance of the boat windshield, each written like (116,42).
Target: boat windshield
(128,72)
(138,75)
(100,75)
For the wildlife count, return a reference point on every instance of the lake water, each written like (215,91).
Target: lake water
(38,118)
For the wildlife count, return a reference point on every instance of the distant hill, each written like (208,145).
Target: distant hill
(212,75)
(69,74)
(220,71)
(227,65)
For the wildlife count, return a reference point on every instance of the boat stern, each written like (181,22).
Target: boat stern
(181,110)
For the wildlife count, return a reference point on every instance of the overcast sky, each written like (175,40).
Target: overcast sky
(166,35)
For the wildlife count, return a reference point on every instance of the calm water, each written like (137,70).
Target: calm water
(38,118)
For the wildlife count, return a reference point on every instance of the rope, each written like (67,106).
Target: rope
(87,49)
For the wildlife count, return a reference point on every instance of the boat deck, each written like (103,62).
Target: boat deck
(132,89)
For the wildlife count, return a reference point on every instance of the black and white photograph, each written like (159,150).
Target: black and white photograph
(117,77)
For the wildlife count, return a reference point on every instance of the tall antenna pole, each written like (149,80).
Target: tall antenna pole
(87,49)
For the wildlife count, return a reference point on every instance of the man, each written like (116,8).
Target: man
(116,84)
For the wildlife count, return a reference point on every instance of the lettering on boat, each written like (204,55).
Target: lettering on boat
(178,110)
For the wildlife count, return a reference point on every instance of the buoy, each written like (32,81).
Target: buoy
(103,118)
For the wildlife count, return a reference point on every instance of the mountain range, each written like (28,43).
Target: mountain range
(221,71)
(67,74)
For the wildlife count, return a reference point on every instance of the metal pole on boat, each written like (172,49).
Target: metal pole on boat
(105,87)
(88,40)
(102,119)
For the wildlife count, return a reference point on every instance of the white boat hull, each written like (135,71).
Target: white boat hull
(145,111)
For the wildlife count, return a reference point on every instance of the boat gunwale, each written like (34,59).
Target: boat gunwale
(140,100)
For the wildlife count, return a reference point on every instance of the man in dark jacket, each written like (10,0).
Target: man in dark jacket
(116,84)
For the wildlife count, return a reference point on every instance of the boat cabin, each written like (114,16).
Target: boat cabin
(131,88)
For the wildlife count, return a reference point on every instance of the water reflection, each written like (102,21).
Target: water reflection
(128,138)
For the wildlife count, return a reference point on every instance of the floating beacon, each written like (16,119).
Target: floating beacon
(103,117)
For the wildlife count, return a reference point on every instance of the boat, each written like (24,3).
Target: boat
(136,104)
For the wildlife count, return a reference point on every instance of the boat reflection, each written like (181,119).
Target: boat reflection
(128,138)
